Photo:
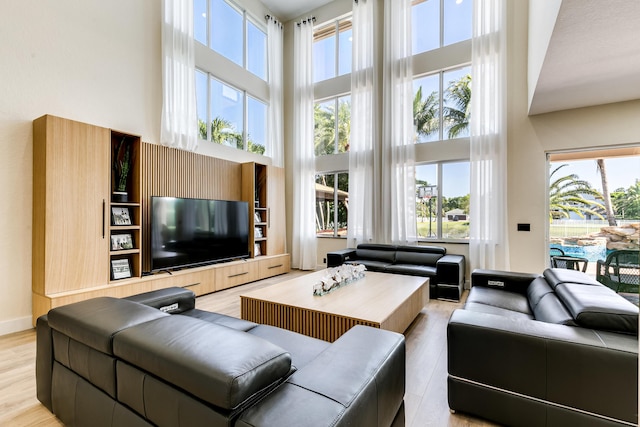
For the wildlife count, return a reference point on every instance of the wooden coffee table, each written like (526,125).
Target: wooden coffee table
(381,300)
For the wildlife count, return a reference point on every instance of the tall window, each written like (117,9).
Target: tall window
(438,23)
(441,105)
(332,50)
(231,33)
(229,112)
(442,200)
(332,195)
(332,125)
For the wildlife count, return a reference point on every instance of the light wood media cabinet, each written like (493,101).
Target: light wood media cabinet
(72,227)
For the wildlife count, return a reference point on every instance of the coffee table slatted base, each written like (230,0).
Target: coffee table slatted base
(325,326)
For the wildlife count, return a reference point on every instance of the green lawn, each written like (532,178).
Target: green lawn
(450,229)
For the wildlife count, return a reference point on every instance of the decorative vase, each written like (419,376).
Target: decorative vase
(120,197)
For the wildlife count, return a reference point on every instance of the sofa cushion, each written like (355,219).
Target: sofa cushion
(557,276)
(94,322)
(438,250)
(545,305)
(372,265)
(599,307)
(490,309)
(219,365)
(498,298)
(418,258)
(386,256)
(221,319)
(411,270)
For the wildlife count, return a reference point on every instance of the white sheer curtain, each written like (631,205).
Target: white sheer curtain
(275,144)
(364,137)
(489,244)
(398,144)
(179,121)
(304,196)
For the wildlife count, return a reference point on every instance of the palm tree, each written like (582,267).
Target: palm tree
(567,194)
(611,218)
(425,113)
(456,112)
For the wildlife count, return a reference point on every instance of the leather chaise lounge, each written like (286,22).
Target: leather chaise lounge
(445,272)
(553,350)
(153,359)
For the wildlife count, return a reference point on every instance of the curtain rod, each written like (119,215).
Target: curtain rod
(304,21)
(275,21)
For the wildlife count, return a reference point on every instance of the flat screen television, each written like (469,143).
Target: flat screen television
(190,232)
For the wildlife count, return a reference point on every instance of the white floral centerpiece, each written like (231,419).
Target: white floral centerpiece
(337,277)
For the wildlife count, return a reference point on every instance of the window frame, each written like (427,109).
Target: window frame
(229,73)
(336,202)
(439,175)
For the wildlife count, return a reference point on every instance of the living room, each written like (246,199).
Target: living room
(101,64)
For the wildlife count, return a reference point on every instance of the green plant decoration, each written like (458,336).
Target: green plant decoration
(122,164)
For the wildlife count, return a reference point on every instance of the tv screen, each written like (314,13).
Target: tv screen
(189,232)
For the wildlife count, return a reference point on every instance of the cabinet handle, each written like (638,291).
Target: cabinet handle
(103,217)
(268,217)
(239,274)
(274,266)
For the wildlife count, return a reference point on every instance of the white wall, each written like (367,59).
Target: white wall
(93,61)
(531,137)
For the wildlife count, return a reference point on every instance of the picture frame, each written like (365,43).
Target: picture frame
(120,268)
(256,250)
(120,215)
(121,242)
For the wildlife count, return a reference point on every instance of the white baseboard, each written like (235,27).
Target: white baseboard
(15,325)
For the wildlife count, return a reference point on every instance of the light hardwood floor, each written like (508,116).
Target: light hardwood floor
(426,392)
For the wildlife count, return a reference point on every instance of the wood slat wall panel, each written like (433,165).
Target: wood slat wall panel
(177,173)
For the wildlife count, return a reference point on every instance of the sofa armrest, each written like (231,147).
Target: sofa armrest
(450,270)
(358,380)
(336,258)
(172,300)
(507,280)
(545,361)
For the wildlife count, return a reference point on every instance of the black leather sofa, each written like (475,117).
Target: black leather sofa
(445,272)
(153,359)
(553,350)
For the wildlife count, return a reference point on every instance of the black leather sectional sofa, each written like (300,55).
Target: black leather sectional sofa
(553,350)
(153,359)
(445,272)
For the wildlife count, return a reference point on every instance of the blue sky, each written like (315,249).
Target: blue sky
(621,171)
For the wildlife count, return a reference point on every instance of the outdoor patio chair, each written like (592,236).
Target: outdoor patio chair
(554,252)
(620,271)
(570,263)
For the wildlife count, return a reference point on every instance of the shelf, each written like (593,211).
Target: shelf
(124,227)
(127,204)
(260,223)
(260,209)
(260,239)
(124,252)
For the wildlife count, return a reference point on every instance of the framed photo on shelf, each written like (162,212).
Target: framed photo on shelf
(256,250)
(120,268)
(121,241)
(256,217)
(120,216)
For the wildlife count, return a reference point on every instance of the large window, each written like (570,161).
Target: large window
(229,31)
(441,105)
(332,127)
(332,50)
(442,201)
(332,196)
(229,112)
(231,107)
(437,23)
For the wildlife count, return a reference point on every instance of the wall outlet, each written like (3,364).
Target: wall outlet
(324,260)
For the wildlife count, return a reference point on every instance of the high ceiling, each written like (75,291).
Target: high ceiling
(593,56)
(289,9)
